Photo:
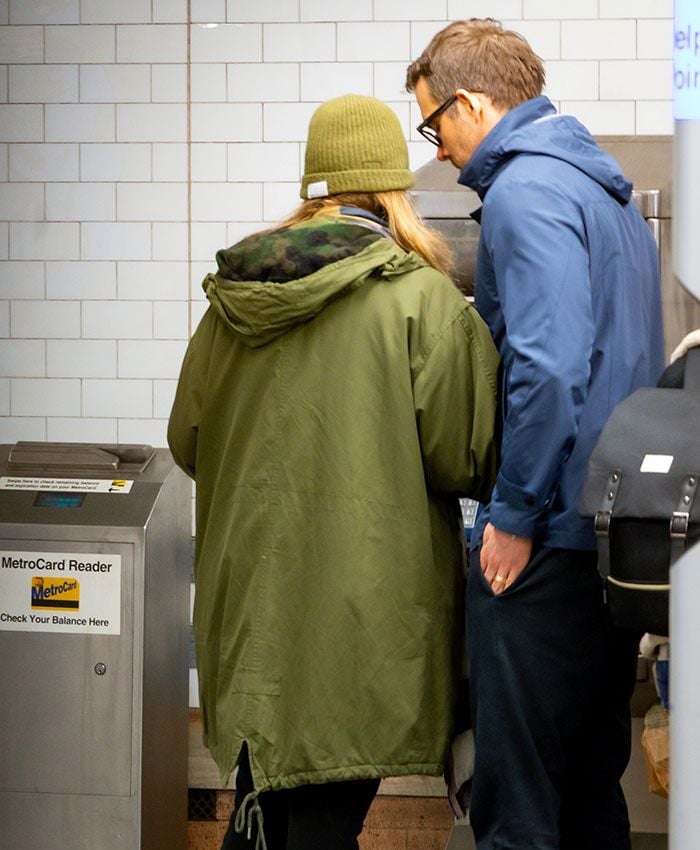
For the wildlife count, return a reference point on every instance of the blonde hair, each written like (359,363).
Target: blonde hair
(403,222)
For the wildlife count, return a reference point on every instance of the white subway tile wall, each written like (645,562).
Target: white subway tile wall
(556,9)
(43,83)
(335,10)
(300,42)
(169,11)
(79,44)
(82,358)
(287,122)
(23,357)
(208,82)
(43,163)
(46,12)
(21,123)
(152,43)
(45,319)
(110,162)
(654,118)
(161,122)
(115,83)
(138,137)
(599,39)
(207,239)
(170,164)
(80,123)
(83,430)
(79,201)
(208,11)
(257,81)
(81,280)
(655,39)
(226,43)
(124,12)
(23,280)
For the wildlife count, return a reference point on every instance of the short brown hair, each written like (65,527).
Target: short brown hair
(480,56)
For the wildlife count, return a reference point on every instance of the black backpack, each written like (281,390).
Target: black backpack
(641,490)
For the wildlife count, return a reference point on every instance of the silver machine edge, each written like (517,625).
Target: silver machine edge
(95,568)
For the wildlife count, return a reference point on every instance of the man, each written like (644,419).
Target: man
(567,279)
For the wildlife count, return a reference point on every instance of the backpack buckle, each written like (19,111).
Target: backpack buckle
(679,525)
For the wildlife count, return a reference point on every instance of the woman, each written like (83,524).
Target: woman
(337,397)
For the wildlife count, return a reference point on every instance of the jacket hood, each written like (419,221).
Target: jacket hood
(534,127)
(269,283)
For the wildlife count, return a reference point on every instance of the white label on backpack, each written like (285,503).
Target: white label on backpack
(656,463)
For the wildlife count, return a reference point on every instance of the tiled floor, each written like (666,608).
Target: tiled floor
(393,823)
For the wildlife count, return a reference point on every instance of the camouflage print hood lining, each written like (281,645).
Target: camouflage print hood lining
(272,282)
(294,252)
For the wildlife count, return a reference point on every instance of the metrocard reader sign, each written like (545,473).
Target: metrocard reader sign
(64,592)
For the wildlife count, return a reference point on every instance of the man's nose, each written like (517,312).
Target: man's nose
(442,154)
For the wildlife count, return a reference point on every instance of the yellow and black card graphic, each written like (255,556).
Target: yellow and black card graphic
(55,594)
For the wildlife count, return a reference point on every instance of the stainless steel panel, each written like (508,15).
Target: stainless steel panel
(648,201)
(165,697)
(100,762)
(65,729)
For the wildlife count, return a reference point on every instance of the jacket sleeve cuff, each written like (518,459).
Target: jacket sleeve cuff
(515,509)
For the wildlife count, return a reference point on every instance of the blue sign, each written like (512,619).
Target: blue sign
(686,60)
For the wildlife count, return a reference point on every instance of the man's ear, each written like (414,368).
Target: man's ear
(470,103)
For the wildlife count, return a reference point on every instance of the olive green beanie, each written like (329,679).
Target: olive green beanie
(355,144)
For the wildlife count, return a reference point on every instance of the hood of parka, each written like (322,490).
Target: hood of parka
(269,283)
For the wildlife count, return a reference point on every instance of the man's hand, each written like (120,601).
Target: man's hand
(503,557)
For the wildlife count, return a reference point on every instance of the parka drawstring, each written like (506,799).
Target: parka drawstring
(250,801)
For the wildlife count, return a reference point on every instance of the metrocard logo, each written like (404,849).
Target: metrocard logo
(51,594)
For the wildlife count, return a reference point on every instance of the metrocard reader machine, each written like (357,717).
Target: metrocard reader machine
(95,552)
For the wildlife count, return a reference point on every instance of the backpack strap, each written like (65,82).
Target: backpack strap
(691,376)
(678,527)
(602,519)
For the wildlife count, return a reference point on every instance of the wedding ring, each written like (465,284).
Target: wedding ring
(500,580)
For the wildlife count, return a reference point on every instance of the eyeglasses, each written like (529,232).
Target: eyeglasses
(430,133)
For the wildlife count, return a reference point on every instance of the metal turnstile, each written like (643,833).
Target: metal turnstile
(95,558)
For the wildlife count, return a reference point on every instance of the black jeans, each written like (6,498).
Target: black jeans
(311,817)
(551,682)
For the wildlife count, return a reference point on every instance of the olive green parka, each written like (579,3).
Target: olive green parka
(336,398)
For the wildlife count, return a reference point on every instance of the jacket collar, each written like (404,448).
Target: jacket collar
(491,155)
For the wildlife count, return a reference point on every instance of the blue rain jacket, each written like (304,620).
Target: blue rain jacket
(568,281)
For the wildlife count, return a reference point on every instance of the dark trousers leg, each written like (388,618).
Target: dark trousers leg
(274,805)
(328,816)
(551,681)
